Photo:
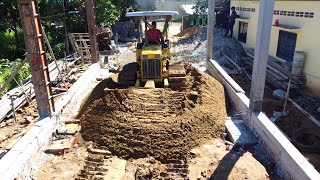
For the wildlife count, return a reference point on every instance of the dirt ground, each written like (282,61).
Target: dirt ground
(11,131)
(166,124)
(209,160)
(63,167)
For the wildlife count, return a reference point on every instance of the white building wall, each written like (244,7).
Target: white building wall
(308,33)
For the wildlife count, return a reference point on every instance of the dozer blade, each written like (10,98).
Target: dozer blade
(177,77)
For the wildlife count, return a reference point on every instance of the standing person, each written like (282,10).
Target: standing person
(232,21)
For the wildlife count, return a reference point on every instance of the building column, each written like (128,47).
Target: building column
(91,20)
(261,55)
(210,28)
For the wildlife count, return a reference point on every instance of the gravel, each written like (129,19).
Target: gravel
(225,48)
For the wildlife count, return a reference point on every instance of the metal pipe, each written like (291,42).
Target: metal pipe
(146,39)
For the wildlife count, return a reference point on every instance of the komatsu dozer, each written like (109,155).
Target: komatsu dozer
(153,59)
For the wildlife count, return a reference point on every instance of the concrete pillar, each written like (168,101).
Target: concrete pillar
(210,28)
(261,55)
(91,20)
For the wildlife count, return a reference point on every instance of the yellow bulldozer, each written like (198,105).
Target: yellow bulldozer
(153,57)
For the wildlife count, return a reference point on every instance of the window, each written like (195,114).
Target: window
(294,14)
(290,13)
(243,29)
(286,45)
(299,14)
(308,14)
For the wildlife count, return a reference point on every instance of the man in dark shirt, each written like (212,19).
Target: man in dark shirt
(232,20)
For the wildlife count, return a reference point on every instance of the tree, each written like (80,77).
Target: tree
(10,35)
(106,12)
(201,7)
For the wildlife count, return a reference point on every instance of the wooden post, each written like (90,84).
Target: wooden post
(261,55)
(13,109)
(210,29)
(33,36)
(287,95)
(91,19)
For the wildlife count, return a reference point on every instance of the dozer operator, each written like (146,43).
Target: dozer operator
(154,35)
(153,52)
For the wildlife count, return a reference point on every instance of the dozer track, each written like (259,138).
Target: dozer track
(177,77)
(128,75)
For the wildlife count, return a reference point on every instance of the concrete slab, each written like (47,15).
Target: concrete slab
(239,133)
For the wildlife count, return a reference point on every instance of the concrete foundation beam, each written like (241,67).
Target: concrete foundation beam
(282,151)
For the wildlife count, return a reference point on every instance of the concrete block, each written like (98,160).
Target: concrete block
(69,129)
(103,74)
(239,133)
(59,146)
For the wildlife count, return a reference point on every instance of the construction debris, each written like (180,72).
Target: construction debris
(104,38)
(279,94)
(80,44)
(278,73)
(23,95)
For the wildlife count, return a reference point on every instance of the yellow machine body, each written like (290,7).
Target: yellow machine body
(152,60)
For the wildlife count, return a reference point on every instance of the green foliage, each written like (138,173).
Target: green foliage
(11,37)
(107,13)
(201,7)
(12,44)
(6,69)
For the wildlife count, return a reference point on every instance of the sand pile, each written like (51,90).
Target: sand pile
(190,31)
(165,124)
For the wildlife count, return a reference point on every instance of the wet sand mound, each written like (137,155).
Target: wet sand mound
(165,124)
